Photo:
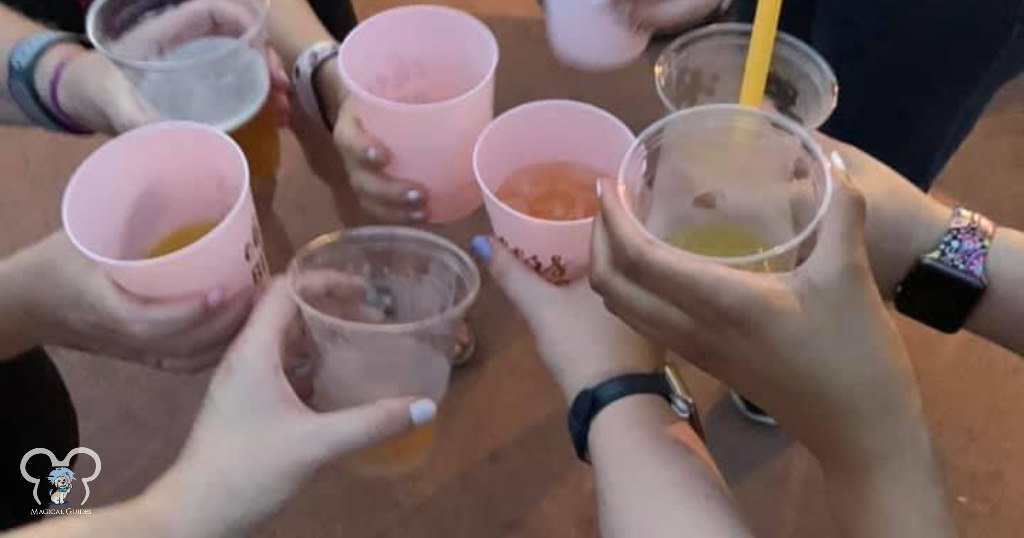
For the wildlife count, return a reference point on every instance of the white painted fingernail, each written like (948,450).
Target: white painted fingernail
(597,187)
(214,298)
(417,216)
(838,162)
(372,154)
(422,411)
(413,195)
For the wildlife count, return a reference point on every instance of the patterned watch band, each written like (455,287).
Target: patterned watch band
(966,243)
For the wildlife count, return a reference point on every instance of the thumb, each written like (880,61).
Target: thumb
(355,428)
(842,231)
(521,285)
(269,322)
(124,106)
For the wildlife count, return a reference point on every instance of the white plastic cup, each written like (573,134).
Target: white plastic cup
(144,184)
(538,132)
(422,81)
(590,35)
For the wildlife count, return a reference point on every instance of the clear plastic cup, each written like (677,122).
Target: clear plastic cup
(393,335)
(421,79)
(542,132)
(730,185)
(590,35)
(198,60)
(705,66)
(145,185)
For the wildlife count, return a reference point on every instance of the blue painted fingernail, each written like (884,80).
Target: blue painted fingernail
(481,248)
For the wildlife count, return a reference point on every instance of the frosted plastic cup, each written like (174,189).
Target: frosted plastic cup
(198,60)
(590,35)
(705,66)
(145,184)
(392,336)
(730,185)
(539,132)
(421,79)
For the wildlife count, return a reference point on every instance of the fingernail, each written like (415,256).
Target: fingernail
(372,154)
(838,162)
(422,411)
(597,187)
(413,195)
(418,216)
(481,248)
(214,298)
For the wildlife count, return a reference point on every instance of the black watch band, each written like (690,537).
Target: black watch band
(588,403)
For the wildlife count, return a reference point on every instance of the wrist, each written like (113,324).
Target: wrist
(895,246)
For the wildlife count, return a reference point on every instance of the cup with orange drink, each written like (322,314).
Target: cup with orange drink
(166,210)
(198,60)
(538,165)
(382,305)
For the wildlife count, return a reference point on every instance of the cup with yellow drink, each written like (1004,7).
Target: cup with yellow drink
(729,185)
(202,61)
(167,212)
(382,305)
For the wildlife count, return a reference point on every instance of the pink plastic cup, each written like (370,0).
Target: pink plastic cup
(538,132)
(141,186)
(422,81)
(590,35)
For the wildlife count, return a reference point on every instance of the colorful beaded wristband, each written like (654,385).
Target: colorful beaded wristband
(965,245)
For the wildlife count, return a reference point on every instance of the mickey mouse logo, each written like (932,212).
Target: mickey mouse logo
(61,473)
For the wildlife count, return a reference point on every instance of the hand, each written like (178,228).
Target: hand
(72,303)
(578,340)
(903,223)
(381,195)
(665,15)
(95,93)
(815,346)
(255,442)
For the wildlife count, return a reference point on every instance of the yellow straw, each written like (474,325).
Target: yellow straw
(759,56)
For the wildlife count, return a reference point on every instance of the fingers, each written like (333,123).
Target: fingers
(388,198)
(652,15)
(521,284)
(353,140)
(280,87)
(216,330)
(268,325)
(341,292)
(349,430)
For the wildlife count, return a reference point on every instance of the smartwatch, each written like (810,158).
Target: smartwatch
(587,404)
(303,73)
(946,284)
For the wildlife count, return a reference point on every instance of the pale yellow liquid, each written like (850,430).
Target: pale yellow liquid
(722,240)
(398,455)
(181,237)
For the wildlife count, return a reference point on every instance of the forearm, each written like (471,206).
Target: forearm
(654,476)
(895,493)
(17,333)
(136,517)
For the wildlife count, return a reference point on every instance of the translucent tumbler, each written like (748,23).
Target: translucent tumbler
(382,305)
(705,66)
(142,186)
(543,132)
(730,185)
(421,80)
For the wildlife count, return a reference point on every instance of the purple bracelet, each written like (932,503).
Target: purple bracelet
(62,117)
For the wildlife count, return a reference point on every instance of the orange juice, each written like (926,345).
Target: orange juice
(181,237)
(397,455)
(556,190)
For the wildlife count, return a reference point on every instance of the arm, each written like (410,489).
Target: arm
(293,28)
(145,515)
(14,27)
(16,332)
(655,477)
(903,223)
